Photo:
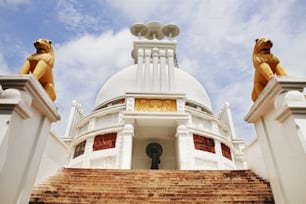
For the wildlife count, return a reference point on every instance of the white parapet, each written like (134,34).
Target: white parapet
(279,116)
(26,114)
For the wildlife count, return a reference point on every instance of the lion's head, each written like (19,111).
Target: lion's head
(43,46)
(263,45)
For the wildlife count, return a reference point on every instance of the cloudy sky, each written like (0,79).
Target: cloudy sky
(92,41)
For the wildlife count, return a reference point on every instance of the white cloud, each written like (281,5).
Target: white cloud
(138,9)
(72,17)
(3,65)
(13,2)
(82,65)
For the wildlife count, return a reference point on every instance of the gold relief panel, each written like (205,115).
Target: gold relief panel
(155,105)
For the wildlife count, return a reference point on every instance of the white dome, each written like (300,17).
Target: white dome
(125,81)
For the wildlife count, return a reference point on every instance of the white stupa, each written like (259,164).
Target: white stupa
(153,102)
(151,115)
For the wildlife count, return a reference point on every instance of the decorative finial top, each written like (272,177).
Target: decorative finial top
(139,29)
(155,30)
(171,30)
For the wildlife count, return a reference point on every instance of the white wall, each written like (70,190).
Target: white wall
(255,160)
(54,158)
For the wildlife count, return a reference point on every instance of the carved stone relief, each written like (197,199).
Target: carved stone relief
(155,105)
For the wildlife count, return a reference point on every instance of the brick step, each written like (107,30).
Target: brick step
(139,189)
(147,196)
(149,186)
(159,172)
(176,200)
(221,179)
(144,179)
(212,179)
(117,198)
(208,178)
(162,183)
(176,190)
(156,180)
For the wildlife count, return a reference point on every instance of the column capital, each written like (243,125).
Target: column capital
(170,53)
(148,52)
(128,128)
(155,52)
(140,52)
(162,53)
(181,130)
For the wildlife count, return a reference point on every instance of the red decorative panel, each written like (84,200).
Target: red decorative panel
(204,143)
(79,149)
(226,151)
(105,141)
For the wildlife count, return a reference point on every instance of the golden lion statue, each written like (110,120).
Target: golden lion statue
(266,65)
(40,64)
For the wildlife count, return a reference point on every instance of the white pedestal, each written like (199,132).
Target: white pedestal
(279,116)
(26,114)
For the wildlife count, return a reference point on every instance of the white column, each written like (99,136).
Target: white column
(214,126)
(225,115)
(140,69)
(76,113)
(156,84)
(279,116)
(163,71)
(147,72)
(184,148)
(219,155)
(86,163)
(170,69)
(127,145)
(26,114)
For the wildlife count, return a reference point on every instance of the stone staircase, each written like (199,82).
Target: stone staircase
(93,186)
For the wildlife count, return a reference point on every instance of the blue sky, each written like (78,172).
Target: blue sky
(92,41)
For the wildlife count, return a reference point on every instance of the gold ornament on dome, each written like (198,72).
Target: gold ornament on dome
(155,105)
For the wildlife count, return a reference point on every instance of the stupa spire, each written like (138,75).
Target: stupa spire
(155,56)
